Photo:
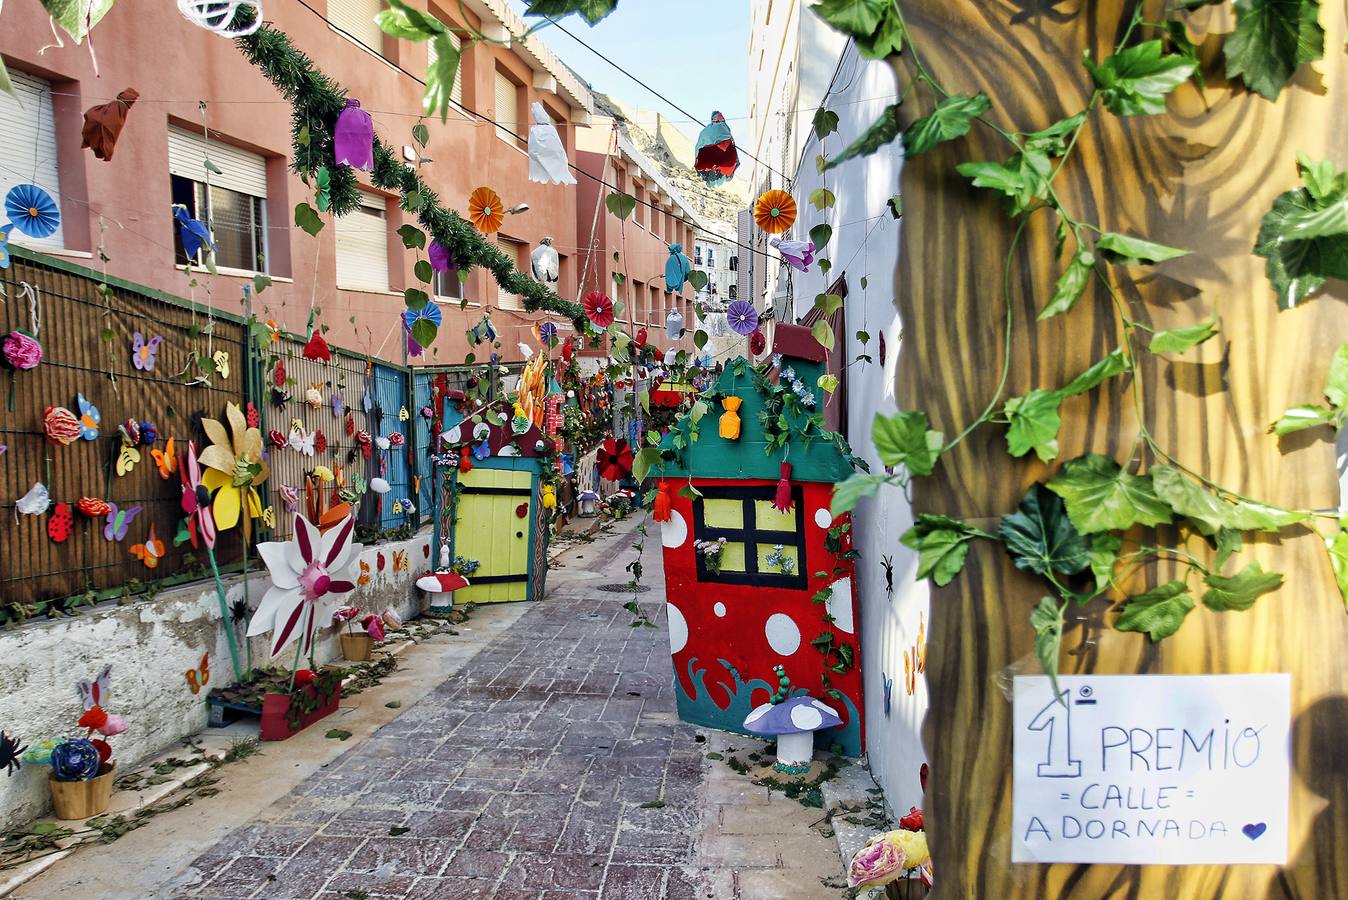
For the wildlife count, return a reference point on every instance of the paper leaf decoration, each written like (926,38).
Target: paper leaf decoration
(143,351)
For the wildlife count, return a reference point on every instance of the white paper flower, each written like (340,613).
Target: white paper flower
(306,572)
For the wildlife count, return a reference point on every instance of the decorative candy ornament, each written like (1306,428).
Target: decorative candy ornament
(716,157)
(353,137)
(32,210)
(742,316)
(306,572)
(775,212)
(218,16)
(60,425)
(730,419)
(598,309)
(798,255)
(677,268)
(547,155)
(486,211)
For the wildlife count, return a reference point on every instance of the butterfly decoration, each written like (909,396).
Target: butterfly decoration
(274,329)
(221,360)
(119,520)
(889,688)
(166,460)
(338,403)
(269,517)
(60,523)
(400,561)
(301,441)
(150,552)
(143,352)
(127,459)
(200,675)
(364,578)
(404,415)
(95,692)
(915,657)
(90,418)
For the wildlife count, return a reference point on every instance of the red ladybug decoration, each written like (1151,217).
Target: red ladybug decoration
(350,424)
(279,376)
(642,337)
(379,561)
(60,523)
(522,510)
(320,442)
(253,418)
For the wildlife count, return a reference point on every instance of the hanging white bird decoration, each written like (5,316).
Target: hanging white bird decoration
(547,264)
(547,156)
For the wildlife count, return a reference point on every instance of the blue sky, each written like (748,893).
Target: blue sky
(696,57)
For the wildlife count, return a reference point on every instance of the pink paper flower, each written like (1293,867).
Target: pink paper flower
(114,725)
(22,351)
(875,865)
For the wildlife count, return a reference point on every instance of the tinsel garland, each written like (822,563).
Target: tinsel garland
(316,101)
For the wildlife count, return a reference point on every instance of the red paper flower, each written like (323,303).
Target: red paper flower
(320,442)
(757,342)
(304,676)
(94,717)
(277,439)
(396,439)
(317,348)
(599,309)
(912,821)
(93,507)
(61,425)
(614,460)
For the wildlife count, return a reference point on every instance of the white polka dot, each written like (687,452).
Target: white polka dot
(840,605)
(719,609)
(824,707)
(758,713)
(674,532)
(806,718)
(782,633)
(823,518)
(678,629)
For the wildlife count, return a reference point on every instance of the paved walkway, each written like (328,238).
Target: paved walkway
(551,766)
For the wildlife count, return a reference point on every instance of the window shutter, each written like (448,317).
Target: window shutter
(29,130)
(362,247)
(431,56)
(240,170)
(356,18)
(507,109)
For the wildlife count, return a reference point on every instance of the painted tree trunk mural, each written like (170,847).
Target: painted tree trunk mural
(1200,175)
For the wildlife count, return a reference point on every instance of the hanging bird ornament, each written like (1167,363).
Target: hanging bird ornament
(716,159)
(547,154)
(546,262)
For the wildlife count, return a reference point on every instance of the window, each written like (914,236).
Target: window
(517,252)
(356,19)
(457,93)
(507,109)
(28,150)
(753,531)
(234,205)
(711,258)
(734,263)
(733,292)
(697,255)
(447,285)
(362,247)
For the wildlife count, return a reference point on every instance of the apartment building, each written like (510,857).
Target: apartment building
(200,97)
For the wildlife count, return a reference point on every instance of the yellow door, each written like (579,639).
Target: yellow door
(489,529)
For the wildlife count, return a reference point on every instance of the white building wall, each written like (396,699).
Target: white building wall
(865,244)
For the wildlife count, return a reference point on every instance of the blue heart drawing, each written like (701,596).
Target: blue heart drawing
(1254,830)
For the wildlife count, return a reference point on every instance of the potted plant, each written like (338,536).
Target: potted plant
(312,696)
(82,768)
(896,859)
(356,645)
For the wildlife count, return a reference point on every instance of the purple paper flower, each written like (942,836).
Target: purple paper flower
(441,261)
(743,317)
(353,137)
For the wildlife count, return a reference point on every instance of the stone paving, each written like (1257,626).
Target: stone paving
(552,766)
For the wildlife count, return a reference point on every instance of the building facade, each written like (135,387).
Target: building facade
(200,98)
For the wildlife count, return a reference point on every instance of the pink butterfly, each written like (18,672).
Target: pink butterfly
(143,352)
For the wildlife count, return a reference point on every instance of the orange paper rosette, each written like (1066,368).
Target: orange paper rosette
(486,211)
(775,212)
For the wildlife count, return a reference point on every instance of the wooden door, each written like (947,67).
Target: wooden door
(489,529)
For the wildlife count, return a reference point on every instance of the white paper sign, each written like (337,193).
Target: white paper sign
(1151,769)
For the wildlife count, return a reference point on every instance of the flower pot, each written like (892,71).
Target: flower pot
(357,647)
(275,725)
(83,799)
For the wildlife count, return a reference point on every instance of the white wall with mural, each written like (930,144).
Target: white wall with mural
(865,245)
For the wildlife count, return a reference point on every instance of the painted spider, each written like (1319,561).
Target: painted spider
(10,752)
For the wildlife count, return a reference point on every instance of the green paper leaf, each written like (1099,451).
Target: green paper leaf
(645,460)
(413,237)
(699,339)
(825,122)
(1271,41)
(1104,554)
(820,163)
(820,235)
(77,17)
(416,299)
(858,485)
(863,337)
(620,204)
(307,219)
(303,137)
(1239,591)
(424,332)
(951,119)
(414,200)
(1299,418)
(212,167)
(440,78)
(591,11)
(942,545)
(829,383)
(423,271)
(1101,496)
(880,133)
(421,134)
(108,335)
(261,283)
(828,304)
(1040,538)
(1126,250)
(1034,424)
(1179,340)
(1071,285)
(822,198)
(1136,80)
(1158,613)
(1047,621)
(1022,179)
(823,334)
(697,278)
(906,439)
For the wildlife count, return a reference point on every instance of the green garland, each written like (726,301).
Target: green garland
(317,101)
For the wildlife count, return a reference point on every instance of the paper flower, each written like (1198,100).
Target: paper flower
(196,500)
(113,726)
(313,397)
(743,317)
(775,212)
(32,210)
(441,260)
(614,459)
(912,821)
(353,137)
(913,845)
(22,350)
(306,572)
(278,440)
(598,309)
(75,760)
(61,425)
(396,439)
(758,342)
(422,325)
(797,254)
(324,473)
(149,434)
(93,507)
(875,865)
(486,211)
(236,464)
(317,348)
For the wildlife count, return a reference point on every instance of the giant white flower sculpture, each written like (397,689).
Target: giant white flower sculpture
(310,571)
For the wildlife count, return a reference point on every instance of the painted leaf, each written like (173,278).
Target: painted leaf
(1179,340)
(1158,613)
(1272,39)
(1239,591)
(591,11)
(1136,80)
(906,439)
(1127,250)
(951,119)
(881,132)
(1040,537)
(1047,621)
(1071,285)
(620,204)
(1102,496)
(942,544)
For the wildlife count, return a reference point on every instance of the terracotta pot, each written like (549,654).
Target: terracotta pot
(83,799)
(357,647)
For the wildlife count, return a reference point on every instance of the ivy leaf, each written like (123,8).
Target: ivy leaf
(416,300)
(423,271)
(1272,39)
(1179,340)
(1023,178)
(822,198)
(77,17)
(403,21)
(823,334)
(591,11)
(1047,621)
(1136,80)
(825,122)
(620,204)
(1320,178)
(1034,424)
(1102,496)
(645,460)
(421,134)
(413,237)
(1158,613)
(1040,537)
(1097,374)
(1052,141)
(440,77)
(1299,418)
(1298,266)
(1104,554)
(1338,557)
(1239,591)
(1228,541)
(952,118)
(887,38)
(906,439)
(881,132)
(942,545)
(1212,514)
(1071,285)
(858,18)
(307,219)
(847,493)
(1126,250)
(424,332)
(697,278)
(820,235)
(828,304)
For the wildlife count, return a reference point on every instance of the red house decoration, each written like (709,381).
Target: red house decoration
(758,572)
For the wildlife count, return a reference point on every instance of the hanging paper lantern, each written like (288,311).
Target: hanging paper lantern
(716,158)
(614,459)
(598,309)
(353,137)
(743,317)
(486,211)
(775,211)
(441,261)
(677,268)
(32,210)
(545,262)
(61,425)
(758,342)
(641,337)
(219,16)
(796,254)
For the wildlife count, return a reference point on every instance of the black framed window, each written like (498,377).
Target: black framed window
(759,545)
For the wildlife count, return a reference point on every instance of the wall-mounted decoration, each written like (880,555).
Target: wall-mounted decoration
(90,418)
(396,439)
(758,342)
(143,352)
(915,657)
(403,416)
(35,502)
(199,675)
(353,137)
(302,441)
(11,754)
(150,552)
(889,692)
(61,425)
(421,327)
(22,351)
(32,210)
(716,158)
(614,459)
(60,523)
(278,376)
(313,396)
(486,211)
(221,360)
(278,440)
(547,154)
(196,503)
(119,520)
(166,460)
(320,442)
(93,507)
(775,212)
(339,403)
(103,124)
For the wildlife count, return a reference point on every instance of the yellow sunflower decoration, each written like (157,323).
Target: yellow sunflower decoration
(234,468)
(775,211)
(486,211)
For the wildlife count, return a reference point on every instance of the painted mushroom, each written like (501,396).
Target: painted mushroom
(793,721)
(440,586)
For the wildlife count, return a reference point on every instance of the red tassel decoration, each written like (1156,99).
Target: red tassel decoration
(783,503)
(465,460)
(663,503)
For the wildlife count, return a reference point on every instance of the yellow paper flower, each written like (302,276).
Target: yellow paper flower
(237,464)
(324,473)
(914,847)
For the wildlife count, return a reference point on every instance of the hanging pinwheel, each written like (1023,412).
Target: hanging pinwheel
(775,212)
(743,317)
(716,159)
(486,211)
(614,460)
(598,309)
(32,210)
(421,325)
